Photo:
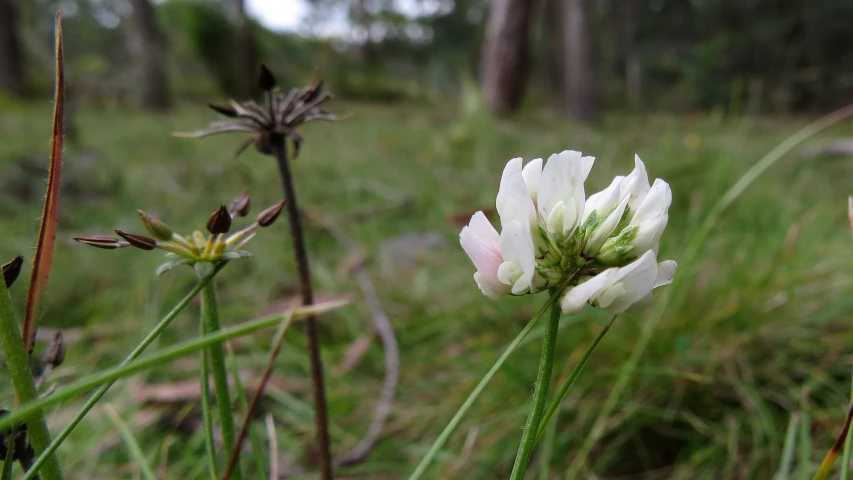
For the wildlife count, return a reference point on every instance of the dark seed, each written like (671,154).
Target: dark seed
(12,269)
(220,221)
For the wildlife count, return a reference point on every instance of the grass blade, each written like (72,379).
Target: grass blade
(254,438)
(832,454)
(132,445)
(784,471)
(47,231)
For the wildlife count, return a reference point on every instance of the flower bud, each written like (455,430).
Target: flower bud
(102,241)
(220,221)
(266,80)
(240,206)
(155,226)
(268,216)
(11,270)
(224,110)
(138,241)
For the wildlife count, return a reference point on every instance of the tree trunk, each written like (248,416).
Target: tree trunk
(247,63)
(505,55)
(151,57)
(579,76)
(11,59)
(626,11)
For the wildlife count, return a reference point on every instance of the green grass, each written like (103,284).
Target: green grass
(760,333)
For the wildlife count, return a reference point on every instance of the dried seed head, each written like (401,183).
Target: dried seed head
(266,80)
(240,206)
(155,226)
(55,354)
(268,216)
(220,221)
(102,241)
(224,110)
(138,241)
(12,269)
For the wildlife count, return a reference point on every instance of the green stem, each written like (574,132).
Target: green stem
(96,397)
(18,364)
(210,322)
(540,394)
(207,410)
(564,389)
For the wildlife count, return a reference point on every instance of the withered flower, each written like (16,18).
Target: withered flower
(197,247)
(276,120)
(12,269)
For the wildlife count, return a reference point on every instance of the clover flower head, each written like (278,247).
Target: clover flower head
(197,249)
(278,118)
(600,250)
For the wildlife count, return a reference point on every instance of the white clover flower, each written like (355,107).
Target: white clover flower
(616,289)
(600,251)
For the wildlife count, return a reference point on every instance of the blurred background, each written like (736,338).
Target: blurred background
(746,374)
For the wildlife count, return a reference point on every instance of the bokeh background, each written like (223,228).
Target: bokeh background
(745,373)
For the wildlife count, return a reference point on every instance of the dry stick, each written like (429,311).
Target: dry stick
(392,354)
(321,415)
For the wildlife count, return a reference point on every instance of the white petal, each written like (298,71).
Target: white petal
(586,167)
(635,186)
(532,173)
(575,300)
(550,184)
(603,201)
(512,167)
(517,247)
(487,287)
(655,204)
(666,270)
(648,236)
(518,206)
(637,280)
(604,230)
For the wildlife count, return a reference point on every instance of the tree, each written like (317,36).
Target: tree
(151,57)
(11,60)
(247,61)
(505,55)
(578,79)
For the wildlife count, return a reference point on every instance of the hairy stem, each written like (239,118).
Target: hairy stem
(216,357)
(540,394)
(18,364)
(312,339)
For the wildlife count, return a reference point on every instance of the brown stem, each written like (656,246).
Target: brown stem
(312,340)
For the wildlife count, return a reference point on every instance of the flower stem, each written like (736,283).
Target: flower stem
(18,363)
(540,393)
(312,339)
(210,324)
(564,389)
(207,410)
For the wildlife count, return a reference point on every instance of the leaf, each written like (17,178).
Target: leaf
(47,231)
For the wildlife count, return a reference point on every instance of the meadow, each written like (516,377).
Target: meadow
(743,370)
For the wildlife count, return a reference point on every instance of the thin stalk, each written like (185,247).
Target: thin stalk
(540,394)
(254,438)
(18,364)
(157,359)
(845,458)
(96,397)
(439,442)
(564,389)
(312,339)
(828,461)
(207,409)
(210,322)
(133,447)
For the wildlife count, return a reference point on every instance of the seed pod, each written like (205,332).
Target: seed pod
(155,226)
(268,216)
(240,206)
(11,270)
(55,354)
(138,241)
(102,241)
(220,221)
(266,80)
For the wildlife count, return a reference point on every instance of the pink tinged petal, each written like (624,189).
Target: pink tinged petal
(512,167)
(576,299)
(532,173)
(517,247)
(519,206)
(481,242)
(488,288)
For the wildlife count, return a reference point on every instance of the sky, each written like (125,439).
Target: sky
(279,15)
